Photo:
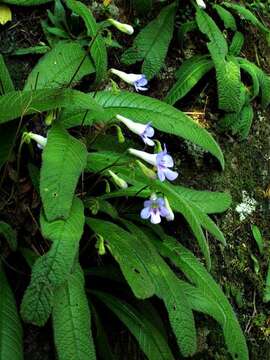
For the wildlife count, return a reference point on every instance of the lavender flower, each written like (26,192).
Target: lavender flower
(162,161)
(139,81)
(144,131)
(154,209)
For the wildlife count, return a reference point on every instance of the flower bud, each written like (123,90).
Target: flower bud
(118,181)
(170,216)
(125,28)
(120,135)
(147,172)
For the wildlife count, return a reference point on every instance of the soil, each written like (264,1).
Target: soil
(247,169)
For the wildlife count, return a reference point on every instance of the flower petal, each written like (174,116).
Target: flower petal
(164,211)
(149,131)
(148,141)
(161,174)
(171,175)
(155,217)
(145,213)
(167,161)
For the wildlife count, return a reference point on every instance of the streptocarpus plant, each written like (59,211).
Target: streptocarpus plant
(83,176)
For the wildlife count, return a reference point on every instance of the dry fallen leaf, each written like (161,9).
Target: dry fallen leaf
(5,14)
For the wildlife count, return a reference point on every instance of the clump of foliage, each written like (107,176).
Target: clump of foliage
(92,175)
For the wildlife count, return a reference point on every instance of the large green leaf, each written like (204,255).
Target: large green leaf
(72,321)
(97,46)
(190,73)
(151,44)
(26,2)
(141,108)
(198,275)
(236,44)
(10,234)
(11,344)
(51,270)
(126,247)
(151,341)
(58,67)
(63,161)
(32,102)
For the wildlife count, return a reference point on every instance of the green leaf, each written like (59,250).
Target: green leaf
(71,320)
(208,27)
(10,235)
(151,44)
(32,102)
(258,238)
(236,44)
(252,70)
(226,17)
(58,66)
(151,341)
(38,49)
(190,73)
(26,2)
(11,343)
(134,270)
(243,125)
(266,295)
(63,160)
(162,280)
(198,275)
(51,270)
(6,84)
(97,46)
(247,15)
(144,109)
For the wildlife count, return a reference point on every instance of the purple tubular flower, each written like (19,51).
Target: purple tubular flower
(163,163)
(154,209)
(140,83)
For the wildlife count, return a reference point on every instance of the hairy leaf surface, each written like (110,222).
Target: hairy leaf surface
(226,17)
(236,44)
(63,160)
(198,275)
(164,281)
(72,321)
(11,344)
(151,44)
(32,102)
(58,67)
(52,269)
(10,235)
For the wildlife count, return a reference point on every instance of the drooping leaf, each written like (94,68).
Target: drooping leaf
(72,321)
(151,44)
(52,270)
(236,44)
(188,75)
(97,46)
(31,102)
(243,125)
(11,344)
(163,281)
(63,160)
(144,109)
(10,235)
(151,341)
(58,67)
(198,275)
(226,17)
(253,72)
